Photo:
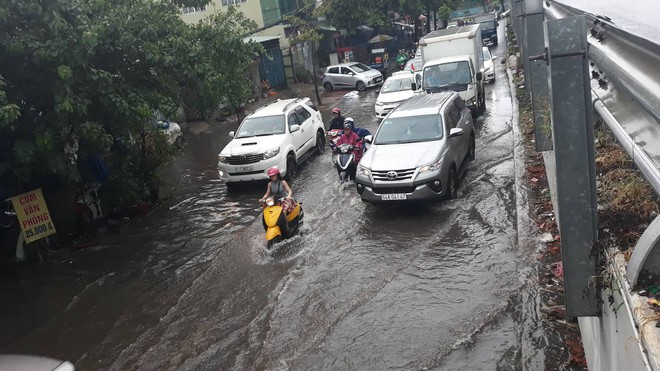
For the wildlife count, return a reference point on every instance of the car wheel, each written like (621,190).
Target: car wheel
(320,143)
(360,86)
(471,150)
(327,86)
(452,192)
(291,166)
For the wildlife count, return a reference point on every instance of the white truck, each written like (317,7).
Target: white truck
(453,60)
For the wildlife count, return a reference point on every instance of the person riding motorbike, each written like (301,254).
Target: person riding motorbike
(401,59)
(337,121)
(279,189)
(350,137)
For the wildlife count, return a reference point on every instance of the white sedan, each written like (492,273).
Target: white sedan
(395,90)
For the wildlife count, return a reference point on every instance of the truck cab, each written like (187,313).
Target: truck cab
(453,60)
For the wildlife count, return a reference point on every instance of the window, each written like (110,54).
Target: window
(302,114)
(334,70)
(192,9)
(449,120)
(311,105)
(292,120)
(232,2)
(460,104)
(346,71)
(409,129)
(455,115)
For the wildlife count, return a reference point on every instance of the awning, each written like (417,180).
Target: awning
(332,29)
(259,39)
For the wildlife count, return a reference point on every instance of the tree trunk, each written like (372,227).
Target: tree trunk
(435,20)
(316,82)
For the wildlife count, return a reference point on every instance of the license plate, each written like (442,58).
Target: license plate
(244,169)
(393,196)
(378,79)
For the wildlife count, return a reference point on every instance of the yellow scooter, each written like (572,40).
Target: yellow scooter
(278,227)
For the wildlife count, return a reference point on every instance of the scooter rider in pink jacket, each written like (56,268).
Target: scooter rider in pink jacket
(349,137)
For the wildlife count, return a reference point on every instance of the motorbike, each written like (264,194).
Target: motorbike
(276,225)
(345,160)
(333,136)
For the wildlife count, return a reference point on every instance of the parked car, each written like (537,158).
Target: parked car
(396,89)
(172,132)
(283,134)
(418,150)
(352,76)
(489,67)
(414,64)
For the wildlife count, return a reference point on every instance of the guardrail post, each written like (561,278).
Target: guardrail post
(538,74)
(573,139)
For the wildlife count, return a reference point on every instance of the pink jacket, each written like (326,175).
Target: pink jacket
(352,139)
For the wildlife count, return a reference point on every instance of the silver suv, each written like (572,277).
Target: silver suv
(418,150)
(351,75)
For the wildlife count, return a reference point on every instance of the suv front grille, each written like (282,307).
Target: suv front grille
(245,159)
(391,175)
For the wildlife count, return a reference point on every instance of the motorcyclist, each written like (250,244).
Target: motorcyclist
(350,137)
(337,121)
(401,59)
(279,189)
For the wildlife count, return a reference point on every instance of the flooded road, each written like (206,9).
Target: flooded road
(192,287)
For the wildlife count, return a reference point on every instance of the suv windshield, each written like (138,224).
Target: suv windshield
(409,129)
(392,85)
(359,67)
(258,126)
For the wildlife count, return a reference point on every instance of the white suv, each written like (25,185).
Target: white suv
(283,134)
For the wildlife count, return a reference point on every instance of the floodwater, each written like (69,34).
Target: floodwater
(192,287)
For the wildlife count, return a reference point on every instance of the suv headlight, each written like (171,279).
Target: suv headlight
(431,167)
(364,171)
(222,158)
(271,153)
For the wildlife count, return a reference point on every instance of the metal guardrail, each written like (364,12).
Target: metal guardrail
(631,108)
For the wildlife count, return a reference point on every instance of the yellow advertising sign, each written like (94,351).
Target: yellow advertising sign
(33,215)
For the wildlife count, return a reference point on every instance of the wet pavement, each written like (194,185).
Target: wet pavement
(192,287)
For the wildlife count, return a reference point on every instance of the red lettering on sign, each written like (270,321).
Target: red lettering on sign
(30,209)
(30,197)
(35,220)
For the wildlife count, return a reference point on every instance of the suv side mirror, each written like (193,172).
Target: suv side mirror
(294,128)
(480,76)
(232,134)
(455,132)
(368,138)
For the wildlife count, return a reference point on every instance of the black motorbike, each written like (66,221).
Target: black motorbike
(345,161)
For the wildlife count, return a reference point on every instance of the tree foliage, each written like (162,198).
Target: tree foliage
(84,77)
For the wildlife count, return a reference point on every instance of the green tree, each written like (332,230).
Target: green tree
(83,77)
(305,30)
(220,61)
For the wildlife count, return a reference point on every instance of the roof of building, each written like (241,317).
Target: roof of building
(259,39)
